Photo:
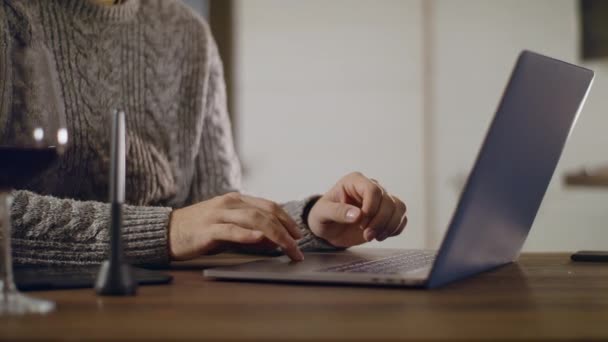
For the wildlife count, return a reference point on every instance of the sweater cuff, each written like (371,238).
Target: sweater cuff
(53,231)
(145,234)
(299,210)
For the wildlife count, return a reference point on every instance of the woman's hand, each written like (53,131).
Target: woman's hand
(214,225)
(357,209)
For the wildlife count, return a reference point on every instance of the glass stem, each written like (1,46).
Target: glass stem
(7,284)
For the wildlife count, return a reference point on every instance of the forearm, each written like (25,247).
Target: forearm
(49,230)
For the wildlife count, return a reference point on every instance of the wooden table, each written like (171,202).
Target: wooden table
(543,297)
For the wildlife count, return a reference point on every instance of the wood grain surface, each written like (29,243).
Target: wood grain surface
(541,297)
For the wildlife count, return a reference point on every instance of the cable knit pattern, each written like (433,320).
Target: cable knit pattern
(156,60)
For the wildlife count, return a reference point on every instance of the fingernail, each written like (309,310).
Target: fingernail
(300,255)
(352,214)
(257,234)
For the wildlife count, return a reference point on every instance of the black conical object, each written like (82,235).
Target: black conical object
(115,276)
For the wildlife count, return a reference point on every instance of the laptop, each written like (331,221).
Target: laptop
(497,207)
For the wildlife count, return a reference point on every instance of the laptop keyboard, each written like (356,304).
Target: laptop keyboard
(402,262)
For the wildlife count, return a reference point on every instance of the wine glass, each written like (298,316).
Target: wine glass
(32,138)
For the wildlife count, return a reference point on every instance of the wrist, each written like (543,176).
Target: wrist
(308,208)
(172,230)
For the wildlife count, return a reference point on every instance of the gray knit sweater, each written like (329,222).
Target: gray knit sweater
(156,60)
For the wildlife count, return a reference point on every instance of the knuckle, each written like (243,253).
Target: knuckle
(380,186)
(233,196)
(399,203)
(271,207)
(377,183)
(275,222)
(219,200)
(228,198)
(357,174)
(271,222)
(275,236)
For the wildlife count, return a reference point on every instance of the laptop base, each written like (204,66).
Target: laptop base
(316,268)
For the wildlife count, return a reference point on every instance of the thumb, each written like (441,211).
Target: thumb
(337,212)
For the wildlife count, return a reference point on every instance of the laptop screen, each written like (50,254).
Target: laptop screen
(513,168)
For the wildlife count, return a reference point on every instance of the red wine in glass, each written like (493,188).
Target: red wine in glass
(33,133)
(18,166)
(30,151)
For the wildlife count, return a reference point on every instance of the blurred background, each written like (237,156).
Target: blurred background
(403,91)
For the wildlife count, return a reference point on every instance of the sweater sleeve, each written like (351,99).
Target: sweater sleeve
(218,169)
(48,230)
(53,231)
(4,68)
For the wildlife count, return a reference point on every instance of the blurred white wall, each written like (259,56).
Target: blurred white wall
(326,87)
(476,44)
(329,87)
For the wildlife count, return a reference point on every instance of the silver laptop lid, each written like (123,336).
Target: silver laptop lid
(514,167)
